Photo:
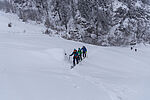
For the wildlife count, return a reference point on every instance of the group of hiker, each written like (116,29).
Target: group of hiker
(78,54)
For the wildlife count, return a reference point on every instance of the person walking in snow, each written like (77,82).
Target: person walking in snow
(75,56)
(84,51)
(80,54)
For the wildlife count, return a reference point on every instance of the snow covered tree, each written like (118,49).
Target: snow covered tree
(100,22)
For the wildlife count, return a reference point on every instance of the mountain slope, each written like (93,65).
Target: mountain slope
(33,67)
(98,22)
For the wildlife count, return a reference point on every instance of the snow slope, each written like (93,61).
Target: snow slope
(33,67)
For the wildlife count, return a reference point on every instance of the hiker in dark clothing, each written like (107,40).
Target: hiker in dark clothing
(80,54)
(84,51)
(75,57)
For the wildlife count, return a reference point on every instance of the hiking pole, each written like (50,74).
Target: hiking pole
(86,54)
(69,57)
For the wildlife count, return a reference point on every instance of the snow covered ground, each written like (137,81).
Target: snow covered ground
(33,67)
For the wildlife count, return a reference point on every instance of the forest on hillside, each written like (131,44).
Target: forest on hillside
(99,22)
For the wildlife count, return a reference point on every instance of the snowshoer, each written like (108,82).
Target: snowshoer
(75,57)
(84,51)
(80,54)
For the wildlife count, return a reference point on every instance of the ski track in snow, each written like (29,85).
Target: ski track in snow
(33,67)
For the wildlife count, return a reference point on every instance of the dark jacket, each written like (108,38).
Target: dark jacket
(84,49)
(75,53)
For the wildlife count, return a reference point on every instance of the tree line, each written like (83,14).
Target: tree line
(99,22)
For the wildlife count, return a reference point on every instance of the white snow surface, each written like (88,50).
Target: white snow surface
(33,67)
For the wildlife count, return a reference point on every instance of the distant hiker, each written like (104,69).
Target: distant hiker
(84,51)
(75,57)
(80,54)
(134,49)
(10,24)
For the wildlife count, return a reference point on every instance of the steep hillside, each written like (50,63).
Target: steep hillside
(33,67)
(100,22)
